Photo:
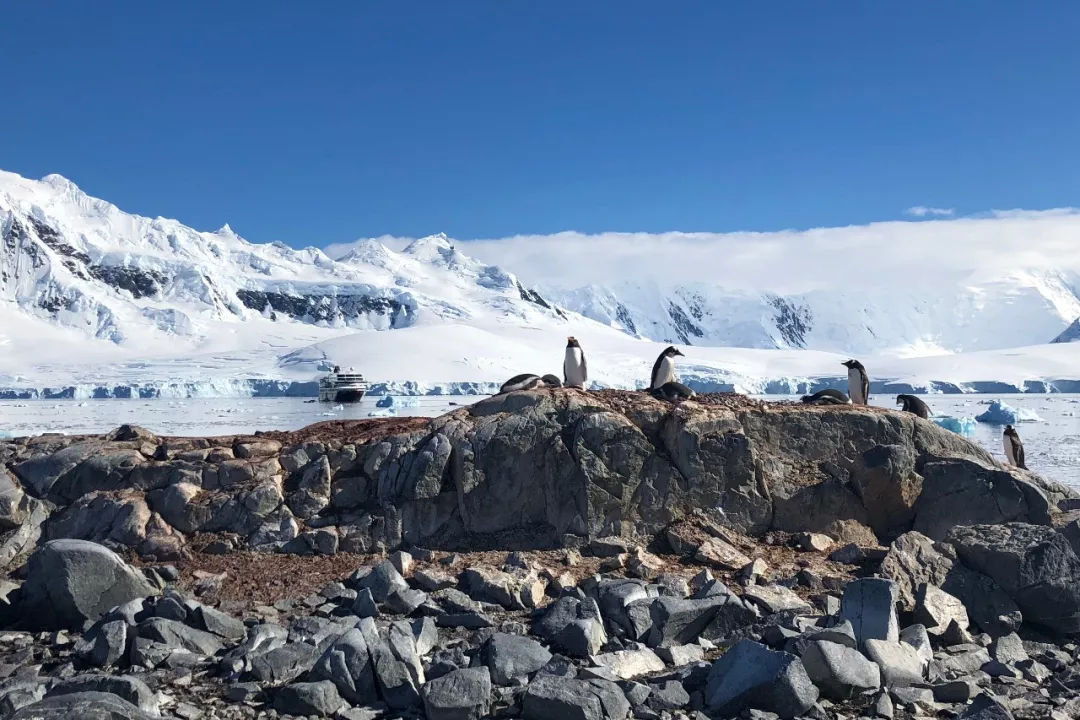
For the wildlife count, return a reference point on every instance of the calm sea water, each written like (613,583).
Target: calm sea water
(1052,444)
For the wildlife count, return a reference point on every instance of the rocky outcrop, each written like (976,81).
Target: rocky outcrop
(534,469)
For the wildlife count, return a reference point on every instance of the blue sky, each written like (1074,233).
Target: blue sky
(315,123)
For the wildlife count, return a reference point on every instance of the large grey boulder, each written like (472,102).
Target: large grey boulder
(72,581)
(347,664)
(1034,564)
(961,491)
(512,658)
(677,621)
(178,636)
(937,609)
(550,696)
(985,707)
(573,626)
(128,687)
(396,668)
(900,663)
(320,699)
(458,695)
(870,605)
(284,664)
(104,644)
(82,706)
(382,580)
(839,671)
(750,675)
(40,473)
(915,559)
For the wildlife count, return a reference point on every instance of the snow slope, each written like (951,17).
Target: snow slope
(98,302)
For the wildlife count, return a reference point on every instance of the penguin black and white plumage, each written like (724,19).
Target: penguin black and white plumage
(525,381)
(673,392)
(858,382)
(913,404)
(528,381)
(1014,449)
(575,371)
(828,396)
(663,370)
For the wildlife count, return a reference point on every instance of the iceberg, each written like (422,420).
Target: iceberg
(1001,414)
(960,425)
(397,401)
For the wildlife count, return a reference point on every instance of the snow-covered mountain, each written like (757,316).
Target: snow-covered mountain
(95,297)
(1024,308)
(79,262)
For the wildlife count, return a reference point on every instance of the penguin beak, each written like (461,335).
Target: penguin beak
(679,353)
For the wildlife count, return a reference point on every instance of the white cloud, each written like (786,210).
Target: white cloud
(791,261)
(924,211)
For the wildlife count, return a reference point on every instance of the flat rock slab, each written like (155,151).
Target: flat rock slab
(458,695)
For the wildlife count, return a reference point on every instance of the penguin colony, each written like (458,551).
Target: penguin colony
(663,385)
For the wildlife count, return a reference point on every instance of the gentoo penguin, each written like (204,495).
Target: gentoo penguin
(673,392)
(827,397)
(663,370)
(528,381)
(1014,449)
(525,381)
(858,382)
(913,404)
(575,371)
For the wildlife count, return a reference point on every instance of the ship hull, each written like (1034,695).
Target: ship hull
(341,395)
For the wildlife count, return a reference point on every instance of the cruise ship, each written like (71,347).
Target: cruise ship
(342,386)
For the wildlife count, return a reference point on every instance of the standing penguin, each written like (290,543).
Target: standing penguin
(858,382)
(913,404)
(1014,449)
(575,371)
(663,370)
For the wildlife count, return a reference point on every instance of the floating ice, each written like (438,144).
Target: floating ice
(1001,414)
(397,401)
(960,425)
(385,412)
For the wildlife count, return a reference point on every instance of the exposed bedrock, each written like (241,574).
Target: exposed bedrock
(528,469)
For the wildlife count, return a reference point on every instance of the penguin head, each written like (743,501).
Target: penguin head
(899,399)
(551,381)
(572,342)
(672,351)
(1009,430)
(852,364)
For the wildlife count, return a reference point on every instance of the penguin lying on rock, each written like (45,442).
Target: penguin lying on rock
(662,384)
(673,392)
(827,397)
(914,405)
(528,381)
